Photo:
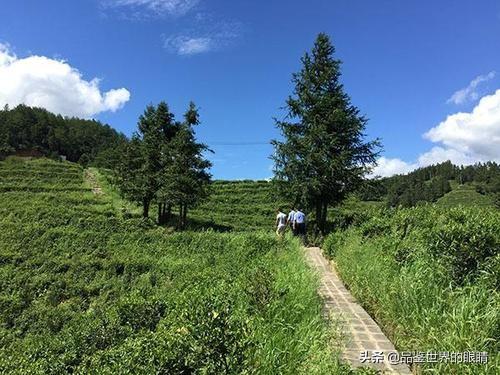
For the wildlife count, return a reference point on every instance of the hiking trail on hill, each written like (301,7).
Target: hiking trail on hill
(91,178)
(366,344)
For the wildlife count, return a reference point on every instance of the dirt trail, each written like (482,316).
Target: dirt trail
(91,178)
(366,344)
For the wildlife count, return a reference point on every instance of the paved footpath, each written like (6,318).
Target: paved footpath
(363,336)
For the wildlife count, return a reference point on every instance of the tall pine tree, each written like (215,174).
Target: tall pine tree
(164,164)
(323,155)
(188,171)
(139,172)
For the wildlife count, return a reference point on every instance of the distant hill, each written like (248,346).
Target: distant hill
(444,183)
(28,131)
(465,195)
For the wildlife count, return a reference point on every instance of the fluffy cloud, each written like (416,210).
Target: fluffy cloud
(53,84)
(470,92)
(184,45)
(388,167)
(476,133)
(464,138)
(157,7)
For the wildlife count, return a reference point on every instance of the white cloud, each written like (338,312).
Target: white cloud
(476,133)
(470,93)
(464,138)
(55,85)
(206,34)
(184,45)
(156,7)
(439,154)
(388,167)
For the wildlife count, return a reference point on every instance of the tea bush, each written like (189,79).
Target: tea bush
(430,276)
(85,290)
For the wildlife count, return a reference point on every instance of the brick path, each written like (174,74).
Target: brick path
(361,331)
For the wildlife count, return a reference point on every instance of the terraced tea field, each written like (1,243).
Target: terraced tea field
(83,290)
(465,195)
(240,206)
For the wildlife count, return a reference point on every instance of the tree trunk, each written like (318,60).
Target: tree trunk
(321,213)
(323,217)
(145,208)
(160,214)
(319,216)
(180,216)
(168,212)
(184,216)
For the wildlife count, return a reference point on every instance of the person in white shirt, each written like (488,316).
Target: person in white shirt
(280,222)
(290,220)
(300,223)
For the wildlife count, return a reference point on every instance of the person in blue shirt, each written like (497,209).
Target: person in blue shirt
(299,223)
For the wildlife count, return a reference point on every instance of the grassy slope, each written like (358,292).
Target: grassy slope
(464,195)
(251,205)
(82,288)
(240,206)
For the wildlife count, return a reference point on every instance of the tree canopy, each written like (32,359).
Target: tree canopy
(36,130)
(428,184)
(323,154)
(165,164)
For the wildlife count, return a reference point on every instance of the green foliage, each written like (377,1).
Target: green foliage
(238,206)
(35,131)
(185,176)
(164,163)
(465,195)
(432,184)
(430,278)
(83,290)
(323,155)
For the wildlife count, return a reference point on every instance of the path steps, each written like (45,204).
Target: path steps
(361,331)
(91,178)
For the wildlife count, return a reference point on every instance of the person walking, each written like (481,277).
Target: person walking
(280,222)
(300,223)
(290,220)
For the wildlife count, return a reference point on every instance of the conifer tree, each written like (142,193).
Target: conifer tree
(188,171)
(142,165)
(323,154)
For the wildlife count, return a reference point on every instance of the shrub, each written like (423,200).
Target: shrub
(429,276)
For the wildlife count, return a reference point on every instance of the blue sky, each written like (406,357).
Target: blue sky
(423,72)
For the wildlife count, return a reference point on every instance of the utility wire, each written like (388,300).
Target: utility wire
(237,143)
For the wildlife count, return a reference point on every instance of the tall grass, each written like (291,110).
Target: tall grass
(430,277)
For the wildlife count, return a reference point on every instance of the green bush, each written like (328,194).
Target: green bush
(84,290)
(429,276)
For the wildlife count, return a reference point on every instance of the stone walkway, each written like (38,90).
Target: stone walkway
(366,344)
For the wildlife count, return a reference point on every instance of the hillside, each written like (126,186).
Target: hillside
(433,183)
(465,195)
(35,131)
(240,206)
(83,289)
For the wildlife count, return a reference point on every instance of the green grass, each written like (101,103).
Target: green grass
(236,206)
(85,289)
(430,277)
(464,195)
(240,206)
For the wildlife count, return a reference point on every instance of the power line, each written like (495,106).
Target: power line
(237,143)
